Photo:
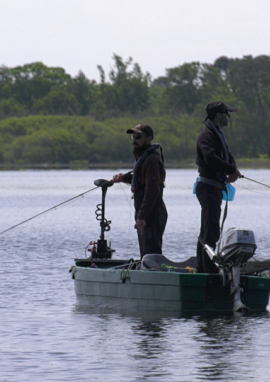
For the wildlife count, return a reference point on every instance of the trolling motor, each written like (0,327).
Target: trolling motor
(236,247)
(101,250)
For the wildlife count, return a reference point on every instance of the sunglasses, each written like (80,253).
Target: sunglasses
(137,137)
(226,112)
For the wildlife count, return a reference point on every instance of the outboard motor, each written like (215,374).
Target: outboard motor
(236,247)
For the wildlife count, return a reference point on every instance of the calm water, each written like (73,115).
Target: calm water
(45,336)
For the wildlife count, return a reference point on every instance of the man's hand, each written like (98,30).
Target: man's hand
(117,178)
(140,224)
(233,177)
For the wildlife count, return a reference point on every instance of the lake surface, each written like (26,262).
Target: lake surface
(46,336)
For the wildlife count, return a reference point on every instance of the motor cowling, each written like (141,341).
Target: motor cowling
(236,246)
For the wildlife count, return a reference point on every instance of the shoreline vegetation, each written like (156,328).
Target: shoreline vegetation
(51,120)
(246,163)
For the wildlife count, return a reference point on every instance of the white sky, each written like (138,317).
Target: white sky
(157,34)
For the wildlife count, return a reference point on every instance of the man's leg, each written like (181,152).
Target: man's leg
(210,199)
(150,241)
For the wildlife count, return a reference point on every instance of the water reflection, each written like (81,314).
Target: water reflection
(147,341)
(151,345)
(223,345)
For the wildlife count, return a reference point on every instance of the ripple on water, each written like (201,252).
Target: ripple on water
(46,336)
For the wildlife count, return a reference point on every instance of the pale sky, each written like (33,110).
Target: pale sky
(157,34)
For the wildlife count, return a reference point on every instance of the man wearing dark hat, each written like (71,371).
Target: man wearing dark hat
(216,167)
(147,183)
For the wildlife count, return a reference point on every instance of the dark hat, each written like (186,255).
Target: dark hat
(217,107)
(142,129)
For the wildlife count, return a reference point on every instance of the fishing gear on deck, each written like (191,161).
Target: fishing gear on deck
(49,209)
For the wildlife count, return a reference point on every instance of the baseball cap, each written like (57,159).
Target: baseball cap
(217,107)
(142,129)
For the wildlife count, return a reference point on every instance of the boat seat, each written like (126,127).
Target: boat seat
(156,260)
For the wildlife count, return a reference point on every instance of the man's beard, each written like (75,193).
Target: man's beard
(139,150)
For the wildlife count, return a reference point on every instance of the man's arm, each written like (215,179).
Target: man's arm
(125,178)
(233,177)
(207,145)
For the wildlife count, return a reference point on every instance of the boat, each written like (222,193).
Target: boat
(156,283)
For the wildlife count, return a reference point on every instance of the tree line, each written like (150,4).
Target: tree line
(46,115)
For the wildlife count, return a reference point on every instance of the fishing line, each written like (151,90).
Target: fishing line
(251,190)
(49,209)
(252,180)
(128,198)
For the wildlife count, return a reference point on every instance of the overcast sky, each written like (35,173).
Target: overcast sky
(157,34)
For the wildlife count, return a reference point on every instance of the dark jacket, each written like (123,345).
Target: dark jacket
(150,183)
(211,159)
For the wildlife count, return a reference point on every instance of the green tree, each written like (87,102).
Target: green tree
(57,102)
(85,91)
(128,87)
(250,81)
(183,89)
(32,82)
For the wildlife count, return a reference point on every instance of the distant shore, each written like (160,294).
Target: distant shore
(242,163)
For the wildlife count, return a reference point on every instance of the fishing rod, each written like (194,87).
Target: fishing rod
(49,209)
(252,180)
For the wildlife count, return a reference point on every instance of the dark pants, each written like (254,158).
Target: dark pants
(210,199)
(150,241)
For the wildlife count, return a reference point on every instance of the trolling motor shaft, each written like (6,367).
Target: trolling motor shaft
(101,250)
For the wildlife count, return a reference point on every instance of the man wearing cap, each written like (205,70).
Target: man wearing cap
(147,183)
(216,167)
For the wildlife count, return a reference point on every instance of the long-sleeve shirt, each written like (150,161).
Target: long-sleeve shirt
(150,184)
(210,160)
